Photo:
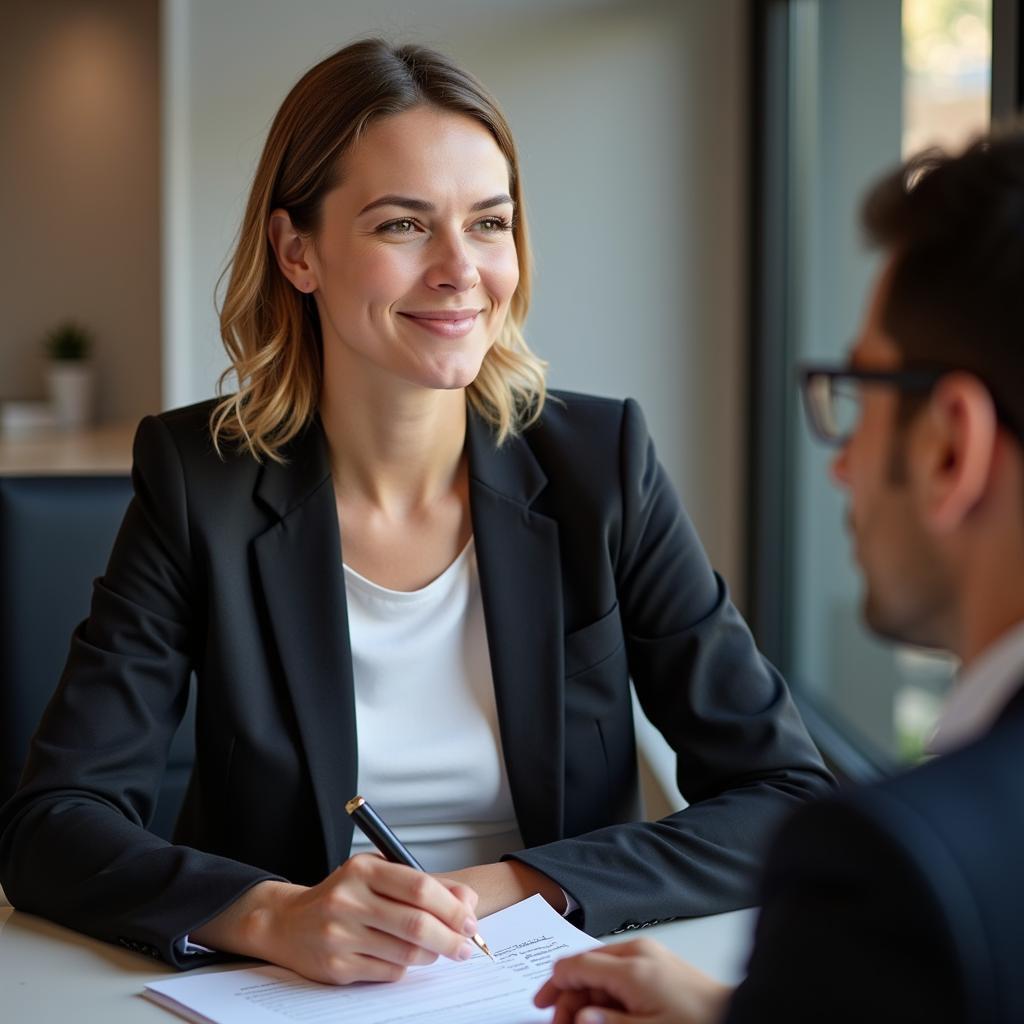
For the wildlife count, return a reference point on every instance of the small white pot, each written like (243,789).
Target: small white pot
(72,392)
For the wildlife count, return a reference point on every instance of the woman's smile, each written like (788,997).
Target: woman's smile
(448,323)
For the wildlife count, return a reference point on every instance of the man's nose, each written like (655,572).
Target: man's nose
(839,469)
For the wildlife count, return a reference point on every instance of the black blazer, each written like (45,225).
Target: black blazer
(590,572)
(902,901)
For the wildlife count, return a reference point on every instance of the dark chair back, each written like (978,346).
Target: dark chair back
(55,536)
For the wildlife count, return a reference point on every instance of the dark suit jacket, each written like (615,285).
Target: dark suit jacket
(902,901)
(590,572)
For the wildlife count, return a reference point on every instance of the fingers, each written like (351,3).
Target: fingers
(368,921)
(421,929)
(390,948)
(417,909)
(634,981)
(547,994)
(574,973)
(579,1008)
(620,972)
(593,1015)
(568,1005)
(461,892)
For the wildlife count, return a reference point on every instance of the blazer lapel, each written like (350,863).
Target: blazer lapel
(520,582)
(298,560)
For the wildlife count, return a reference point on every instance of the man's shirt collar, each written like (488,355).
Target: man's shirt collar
(981,692)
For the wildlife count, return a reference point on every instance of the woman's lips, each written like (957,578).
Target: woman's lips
(447,323)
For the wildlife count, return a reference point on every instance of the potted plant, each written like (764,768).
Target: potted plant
(70,374)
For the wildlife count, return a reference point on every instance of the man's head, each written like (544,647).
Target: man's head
(934,464)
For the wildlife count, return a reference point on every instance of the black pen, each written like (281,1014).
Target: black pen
(371,824)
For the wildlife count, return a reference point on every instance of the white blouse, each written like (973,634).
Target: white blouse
(430,757)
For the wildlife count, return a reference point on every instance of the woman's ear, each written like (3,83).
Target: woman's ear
(294,251)
(959,439)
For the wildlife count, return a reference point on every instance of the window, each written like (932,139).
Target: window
(947,71)
(844,90)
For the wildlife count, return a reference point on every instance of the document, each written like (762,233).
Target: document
(525,939)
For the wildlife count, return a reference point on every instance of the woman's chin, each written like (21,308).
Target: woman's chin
(451,376)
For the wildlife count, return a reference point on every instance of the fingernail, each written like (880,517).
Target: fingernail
(465,951)
(590,1017)
(470,926)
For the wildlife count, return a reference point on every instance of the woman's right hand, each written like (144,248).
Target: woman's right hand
(367,921)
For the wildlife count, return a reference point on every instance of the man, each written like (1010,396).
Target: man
(904,900)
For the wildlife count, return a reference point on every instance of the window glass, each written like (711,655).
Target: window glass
(870,81)
(947,71)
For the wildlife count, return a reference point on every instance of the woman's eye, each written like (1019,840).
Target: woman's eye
(405,226)
(495,224)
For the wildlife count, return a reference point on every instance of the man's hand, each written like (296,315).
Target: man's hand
(637,982)
(367,921)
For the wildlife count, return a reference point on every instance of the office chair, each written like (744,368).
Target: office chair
(55,535)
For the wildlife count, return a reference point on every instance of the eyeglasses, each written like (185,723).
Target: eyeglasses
(832,397)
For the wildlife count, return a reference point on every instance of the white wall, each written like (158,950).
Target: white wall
(631,120)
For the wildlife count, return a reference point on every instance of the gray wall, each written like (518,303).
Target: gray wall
(631,120)
(79,193)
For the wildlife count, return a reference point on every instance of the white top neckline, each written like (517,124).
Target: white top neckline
(439,583)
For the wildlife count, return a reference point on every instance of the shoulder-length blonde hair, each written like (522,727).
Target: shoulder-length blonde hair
(271,330)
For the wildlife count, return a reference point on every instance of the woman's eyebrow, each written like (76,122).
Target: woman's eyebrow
(422,206)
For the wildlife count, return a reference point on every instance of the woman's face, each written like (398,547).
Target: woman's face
(415,263)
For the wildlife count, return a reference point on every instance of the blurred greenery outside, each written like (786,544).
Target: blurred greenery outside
(947,71)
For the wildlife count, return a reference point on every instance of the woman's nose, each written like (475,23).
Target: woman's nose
(452,268)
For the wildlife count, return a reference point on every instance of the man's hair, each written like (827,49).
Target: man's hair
(955,226)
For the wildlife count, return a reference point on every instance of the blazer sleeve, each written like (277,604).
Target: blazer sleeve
(744,759)
(73,839)
(849,931)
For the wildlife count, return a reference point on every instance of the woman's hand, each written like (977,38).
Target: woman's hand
(500,885)
(367,921)
(637,982)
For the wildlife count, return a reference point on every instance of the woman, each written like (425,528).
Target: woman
(396,566)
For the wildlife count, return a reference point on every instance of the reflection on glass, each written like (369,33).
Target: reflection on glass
(947,60)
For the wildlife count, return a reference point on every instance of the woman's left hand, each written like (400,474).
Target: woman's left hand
(637,982)
(501,885)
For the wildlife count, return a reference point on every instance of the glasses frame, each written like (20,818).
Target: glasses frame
(919,381)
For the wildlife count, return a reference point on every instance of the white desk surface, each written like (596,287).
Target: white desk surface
(50,975)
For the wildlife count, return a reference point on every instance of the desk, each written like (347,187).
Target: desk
(50,975)
(99,451)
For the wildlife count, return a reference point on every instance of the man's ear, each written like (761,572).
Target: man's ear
(957,447)
(293,251)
